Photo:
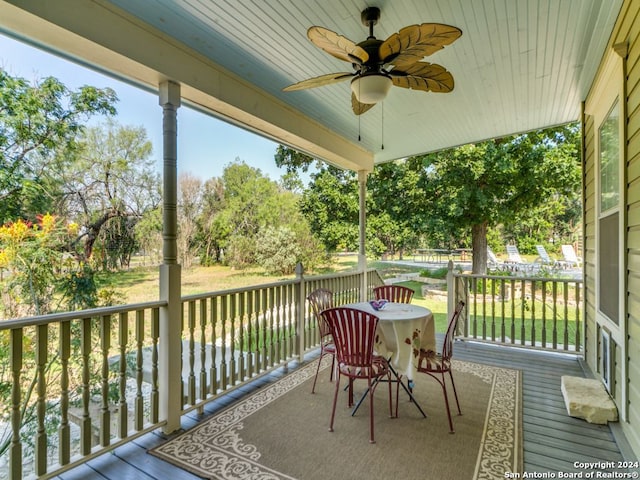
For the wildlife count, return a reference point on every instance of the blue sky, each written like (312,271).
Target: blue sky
(205,144)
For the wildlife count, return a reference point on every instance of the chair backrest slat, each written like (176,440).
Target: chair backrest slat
(320,300)
(393,293)
(353,333)
(447,346)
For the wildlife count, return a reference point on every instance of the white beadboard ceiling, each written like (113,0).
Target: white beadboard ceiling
(519,65)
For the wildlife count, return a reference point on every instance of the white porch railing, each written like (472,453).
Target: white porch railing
(81,383)
(71,376)
(534,312)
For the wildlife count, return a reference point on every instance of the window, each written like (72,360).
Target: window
(609,136)
(608,246)
(609,267)
(606,106)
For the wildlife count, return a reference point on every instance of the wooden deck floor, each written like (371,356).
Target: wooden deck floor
(553,441)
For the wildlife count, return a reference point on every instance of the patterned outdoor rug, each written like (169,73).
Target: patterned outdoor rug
(281,432)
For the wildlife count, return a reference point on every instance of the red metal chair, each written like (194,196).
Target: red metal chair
(393,293)
(354,333)
(437,365)
(320,300)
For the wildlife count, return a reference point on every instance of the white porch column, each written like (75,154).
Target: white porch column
(170,368)
(362,257)
(300,310)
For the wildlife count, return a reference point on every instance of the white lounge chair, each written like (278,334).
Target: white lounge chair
(545,259)
(519,264)
(492,260)
(570,258)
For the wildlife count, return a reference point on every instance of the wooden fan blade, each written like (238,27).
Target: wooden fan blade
(424,76)
(320,81)
(337,45)
(360,108)
(415,42)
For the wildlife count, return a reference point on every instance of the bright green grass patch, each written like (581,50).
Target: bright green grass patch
(389,270)
(506,320)
(520,322)
(438,308)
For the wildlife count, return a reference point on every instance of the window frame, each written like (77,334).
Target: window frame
(608,90)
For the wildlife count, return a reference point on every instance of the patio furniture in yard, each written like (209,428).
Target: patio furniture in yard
(502,266)
(431,255)
(436,365)
(320,300)
(571,259)
(545,259)
(354,333)
(517,262)
(393,293)
(493,262)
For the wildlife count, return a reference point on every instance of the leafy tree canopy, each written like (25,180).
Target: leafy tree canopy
(330,205)
(248,219)
(395,204)
(526,184)
(110,177)
(501,181)
(36,122)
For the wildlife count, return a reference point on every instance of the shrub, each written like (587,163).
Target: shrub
(241,252)
(277,251)
(436,273)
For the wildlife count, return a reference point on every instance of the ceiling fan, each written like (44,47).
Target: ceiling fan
(379,64)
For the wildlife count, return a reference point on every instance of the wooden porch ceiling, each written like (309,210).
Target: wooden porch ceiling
(518,65)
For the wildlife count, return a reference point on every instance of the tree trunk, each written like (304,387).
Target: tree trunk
(479,245)
(93,231)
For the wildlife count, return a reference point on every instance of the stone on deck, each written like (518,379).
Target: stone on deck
(587,398)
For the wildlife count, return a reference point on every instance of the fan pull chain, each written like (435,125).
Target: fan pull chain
(382,127)
(360,114)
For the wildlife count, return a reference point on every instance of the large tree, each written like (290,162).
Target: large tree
(212,231)
(330,205)
(111,176)
(251,196)
(396,203)
(189,209)
(500,181)
(37,122)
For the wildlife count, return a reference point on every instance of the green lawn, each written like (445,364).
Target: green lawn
(439,308)
(141,284)
(520,322)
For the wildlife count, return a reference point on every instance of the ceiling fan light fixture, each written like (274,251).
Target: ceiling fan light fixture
(372,88)
(375,62)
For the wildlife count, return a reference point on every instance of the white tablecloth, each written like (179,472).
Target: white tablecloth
(403,330)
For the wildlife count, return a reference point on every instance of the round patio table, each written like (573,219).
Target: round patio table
(403,329)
